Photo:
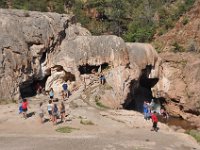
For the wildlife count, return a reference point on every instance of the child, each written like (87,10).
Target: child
(62,111)
(54,114)
(51,93)
(25,108)
(154,121)
(41,113)
(49,109)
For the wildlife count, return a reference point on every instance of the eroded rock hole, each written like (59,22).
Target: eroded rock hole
(89,69)
(68,75)
(140,91)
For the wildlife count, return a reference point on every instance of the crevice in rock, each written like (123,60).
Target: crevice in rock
(194,112)
(140,91)
(89,69)
(60,37)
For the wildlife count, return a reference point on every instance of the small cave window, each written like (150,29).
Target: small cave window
(69,76)
(88,69)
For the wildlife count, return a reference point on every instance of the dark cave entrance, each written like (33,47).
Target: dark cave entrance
(29,89)
(89,69)
(140,91)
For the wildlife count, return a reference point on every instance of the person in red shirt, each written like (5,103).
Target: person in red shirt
(155,122)
(25,107)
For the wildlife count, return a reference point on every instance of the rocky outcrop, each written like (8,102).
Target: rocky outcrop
(179,84)
(50,47)
(179,72)
(26,39)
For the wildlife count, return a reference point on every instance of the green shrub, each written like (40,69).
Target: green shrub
(192,46)
(158,46)
(195,134)
(66,129)
(99,104)
(185,21)
(177,47)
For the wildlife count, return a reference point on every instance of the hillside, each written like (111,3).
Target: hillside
(134,21)
(185,36)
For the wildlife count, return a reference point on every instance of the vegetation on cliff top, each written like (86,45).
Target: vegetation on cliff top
(134,21)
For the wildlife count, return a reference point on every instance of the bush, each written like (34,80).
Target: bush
(185,20)
(66,129)
(139,32)
(195,134)
(192,46)
(158,46)
(177,47)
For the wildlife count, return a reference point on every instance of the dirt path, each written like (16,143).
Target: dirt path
(112,130)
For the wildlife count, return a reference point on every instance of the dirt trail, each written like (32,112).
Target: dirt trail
(112,130)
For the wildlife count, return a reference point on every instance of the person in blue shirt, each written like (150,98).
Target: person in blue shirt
(146,110)
(20,105)
(65,89)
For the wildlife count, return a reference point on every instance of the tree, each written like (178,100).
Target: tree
(117,15)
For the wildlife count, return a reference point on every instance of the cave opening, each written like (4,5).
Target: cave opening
(89,69)
(140,91)
(31,88)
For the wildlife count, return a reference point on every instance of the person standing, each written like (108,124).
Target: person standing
(54,114)
(146,110)
(49,109)
(20,105)
(154,121)
(41,113)
(102,79)
(65,89)
(62,111)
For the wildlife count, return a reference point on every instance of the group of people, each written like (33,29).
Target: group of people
(53,109)
(54,112)
(64,93)
(150,113)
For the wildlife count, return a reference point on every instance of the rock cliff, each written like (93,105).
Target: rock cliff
(52,48)
(179,72)
(179,84)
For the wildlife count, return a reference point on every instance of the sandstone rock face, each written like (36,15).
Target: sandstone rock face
(26,39)
(179,72)
(179,83)
(50,47)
